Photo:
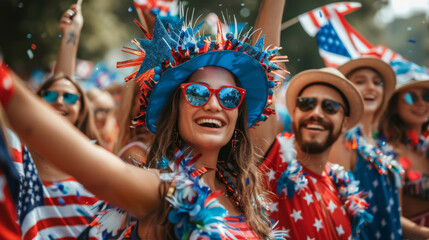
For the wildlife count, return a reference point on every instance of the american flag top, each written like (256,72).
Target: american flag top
(50,210)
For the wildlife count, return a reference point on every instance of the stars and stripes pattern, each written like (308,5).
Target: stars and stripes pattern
(51,210)
(383,197)
(315,210)
(9,228)
(339,42)
(313,20)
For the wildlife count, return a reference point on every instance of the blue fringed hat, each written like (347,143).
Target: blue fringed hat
(170,56)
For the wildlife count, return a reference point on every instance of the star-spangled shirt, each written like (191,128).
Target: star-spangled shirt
(314,212)
(9,180)
(383,199)
(50,210)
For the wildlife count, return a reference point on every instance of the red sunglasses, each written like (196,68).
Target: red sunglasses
(198,94)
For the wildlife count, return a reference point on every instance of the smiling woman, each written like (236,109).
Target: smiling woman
(405,126)
(75,110)
(206,182)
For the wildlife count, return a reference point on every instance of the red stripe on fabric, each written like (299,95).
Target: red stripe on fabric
(17,155)
(349,30)
(349,9)
(54,222)
(326,12)
(49,183)
(313,19)
(66,200)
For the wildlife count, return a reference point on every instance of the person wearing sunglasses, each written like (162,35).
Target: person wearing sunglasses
(204,180)
(312,196)
(404,125)
(377,169)
(51,203)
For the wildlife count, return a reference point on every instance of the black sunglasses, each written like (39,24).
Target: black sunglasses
(306,104)
(411,97)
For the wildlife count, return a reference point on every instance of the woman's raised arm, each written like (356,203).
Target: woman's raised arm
(56,140)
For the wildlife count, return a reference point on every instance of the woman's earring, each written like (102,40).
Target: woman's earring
(234,141)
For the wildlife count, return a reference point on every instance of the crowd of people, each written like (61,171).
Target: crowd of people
(191,147)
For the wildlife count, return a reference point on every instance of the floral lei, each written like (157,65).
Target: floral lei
(293,178)
(418,143)
(384,160)
(195,213)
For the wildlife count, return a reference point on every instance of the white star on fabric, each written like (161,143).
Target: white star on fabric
(375,183)
(300,185)
(317,224)
(391,202)
(389,209)
(340,230)
(309,238)
(309,198)
(383,222)
(370,194)
(331,206)
(296,215)
(331,188)
(2,182)
(313,179)
(374,209)
(378,234)
(271,174)
(273,207)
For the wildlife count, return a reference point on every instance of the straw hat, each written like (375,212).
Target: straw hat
(412,84)
(330,76)
(386,73)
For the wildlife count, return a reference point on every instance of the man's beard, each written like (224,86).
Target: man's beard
(315,147)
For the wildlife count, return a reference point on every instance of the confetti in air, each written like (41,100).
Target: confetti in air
(30,54)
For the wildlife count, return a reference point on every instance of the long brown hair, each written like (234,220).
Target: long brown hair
(392,126)
(248,183)
(85,120)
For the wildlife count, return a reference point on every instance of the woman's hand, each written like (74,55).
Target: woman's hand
(72,20)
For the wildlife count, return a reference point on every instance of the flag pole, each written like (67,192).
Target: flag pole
(289,23)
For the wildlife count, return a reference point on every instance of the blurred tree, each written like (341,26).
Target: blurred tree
(108,25)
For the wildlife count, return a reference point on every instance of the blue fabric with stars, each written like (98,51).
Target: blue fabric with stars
(383,199)
(328,40)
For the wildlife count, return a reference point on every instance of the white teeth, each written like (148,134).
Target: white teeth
(213,121)
(315,126)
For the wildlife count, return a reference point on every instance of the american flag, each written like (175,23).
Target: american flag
(313,20)
(405,70)
(9,229)
(50,210)
(339,42)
